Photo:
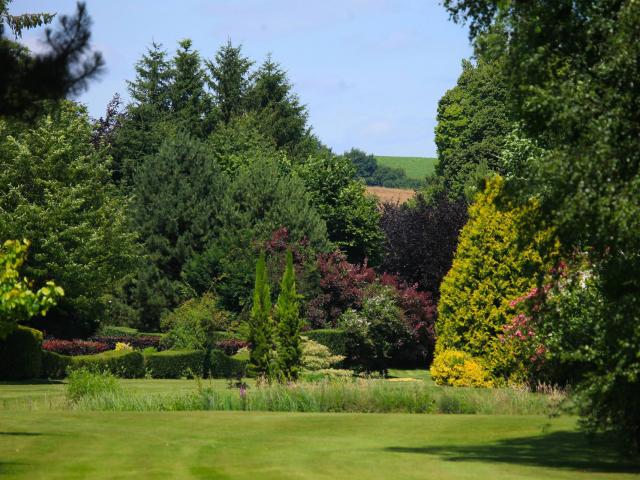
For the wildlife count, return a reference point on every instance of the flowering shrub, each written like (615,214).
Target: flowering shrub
(75,347)
(231,346)
(123,347)
(459,369)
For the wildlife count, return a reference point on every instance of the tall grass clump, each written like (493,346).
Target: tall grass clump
(358,396)
(83,383)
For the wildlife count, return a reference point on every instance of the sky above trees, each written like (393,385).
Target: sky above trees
(370,71)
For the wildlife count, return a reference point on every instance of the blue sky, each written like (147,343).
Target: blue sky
(370,71)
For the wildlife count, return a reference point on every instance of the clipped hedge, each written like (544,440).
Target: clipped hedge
(222,365)
(125,364)
(333,338)
(21,354)
(54,365)
(174,363)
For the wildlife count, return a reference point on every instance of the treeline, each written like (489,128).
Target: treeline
(374,174)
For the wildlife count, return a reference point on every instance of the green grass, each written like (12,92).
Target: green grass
(249,445)
(42,436)
(414,167)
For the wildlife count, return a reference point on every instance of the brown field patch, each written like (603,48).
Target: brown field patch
(391,195)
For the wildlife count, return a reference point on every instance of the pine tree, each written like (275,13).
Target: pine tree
(230,81)
(289,323)
(177,195)
(190,102)
(261,328)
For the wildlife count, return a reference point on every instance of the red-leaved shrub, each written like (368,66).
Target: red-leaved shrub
(74,347)
(231,346)
(138,341)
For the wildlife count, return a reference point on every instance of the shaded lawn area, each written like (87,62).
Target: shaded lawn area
(250,445)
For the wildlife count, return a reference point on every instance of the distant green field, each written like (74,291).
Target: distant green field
(414,167)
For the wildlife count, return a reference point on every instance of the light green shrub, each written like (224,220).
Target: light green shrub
(316,356)
(83,383)
(459,369)
(498,260)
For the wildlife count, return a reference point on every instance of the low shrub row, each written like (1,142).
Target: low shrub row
(127,364)
(174,363)
(231,346)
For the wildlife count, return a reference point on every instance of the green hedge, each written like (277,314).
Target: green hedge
(335,339)
(125,364)
(174,363)
(223,366)
(54,365)
(116,331)
(21,354)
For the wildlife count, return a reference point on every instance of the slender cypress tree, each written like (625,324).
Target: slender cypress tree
(261,331)
(289,323)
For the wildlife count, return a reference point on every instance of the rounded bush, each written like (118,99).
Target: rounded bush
(459,369)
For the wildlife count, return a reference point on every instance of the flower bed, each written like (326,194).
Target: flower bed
(74,347)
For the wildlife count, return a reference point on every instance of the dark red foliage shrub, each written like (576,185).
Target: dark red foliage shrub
(341,285)
(138,341)
(74,347)
(420,313)
(420,240)
(231,346)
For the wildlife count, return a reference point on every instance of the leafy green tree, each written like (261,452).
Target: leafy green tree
(352,216)
(289,323)
(492,267)
(263,359)
(55,189)
(190,102)
(230,81)
(17,301)
(263,198)
(175,210)
(280,114)
(473,122)
(572,70)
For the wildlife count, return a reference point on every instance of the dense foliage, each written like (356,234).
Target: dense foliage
(55,191)
(572,70)
(473,121)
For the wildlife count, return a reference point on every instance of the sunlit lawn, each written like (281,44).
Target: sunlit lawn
(39,443)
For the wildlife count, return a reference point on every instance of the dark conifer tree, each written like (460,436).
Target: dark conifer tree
(190,102)
(230,81)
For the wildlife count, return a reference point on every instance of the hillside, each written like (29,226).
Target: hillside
(414,167)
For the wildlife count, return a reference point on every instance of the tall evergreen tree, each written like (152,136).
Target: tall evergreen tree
(289,323)
(190,102)
(282,117)
(177,195)
(230,81)
(145,123)
(261,329)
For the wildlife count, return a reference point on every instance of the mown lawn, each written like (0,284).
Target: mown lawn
(414,167)
(105,445)
(42,439)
